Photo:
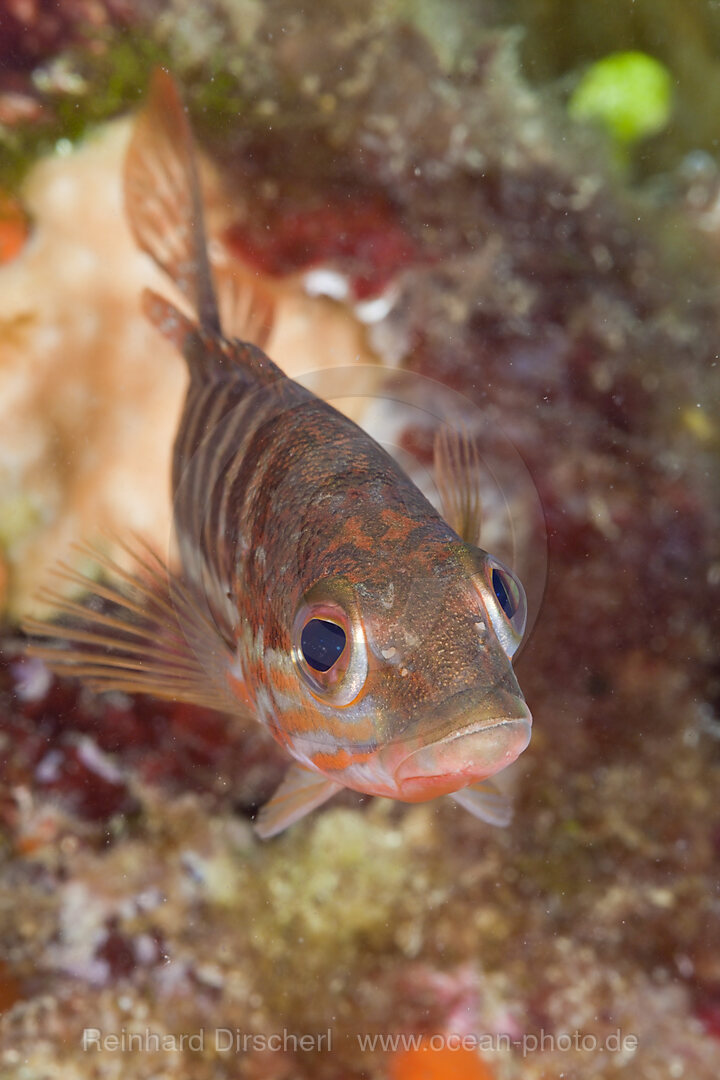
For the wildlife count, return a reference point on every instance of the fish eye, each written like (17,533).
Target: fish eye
(322,643)
(507,591)
(504,599)
(329,651)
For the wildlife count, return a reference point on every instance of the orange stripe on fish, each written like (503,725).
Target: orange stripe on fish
(335,761)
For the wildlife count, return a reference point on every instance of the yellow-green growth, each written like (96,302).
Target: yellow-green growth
(629,93)
(19,516)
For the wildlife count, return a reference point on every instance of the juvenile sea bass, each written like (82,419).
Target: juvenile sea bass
(318,591)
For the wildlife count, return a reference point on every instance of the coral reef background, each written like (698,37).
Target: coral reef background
(420,155)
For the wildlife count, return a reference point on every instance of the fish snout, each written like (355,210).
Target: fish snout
(464,757)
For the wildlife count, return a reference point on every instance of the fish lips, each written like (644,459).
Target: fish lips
(464,757)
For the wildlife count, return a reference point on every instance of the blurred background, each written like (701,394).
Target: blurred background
(518,202)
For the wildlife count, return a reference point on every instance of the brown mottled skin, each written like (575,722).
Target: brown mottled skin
(314,499)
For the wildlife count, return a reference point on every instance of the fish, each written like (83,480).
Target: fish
(317,591)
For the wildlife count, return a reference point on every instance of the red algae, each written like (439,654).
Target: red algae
(361,234)
(31,32)
(85,753)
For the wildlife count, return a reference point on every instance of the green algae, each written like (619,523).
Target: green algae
(103,85)
(562,37)
(218,102)
(628,93)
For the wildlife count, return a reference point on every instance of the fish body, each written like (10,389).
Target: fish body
(319,591)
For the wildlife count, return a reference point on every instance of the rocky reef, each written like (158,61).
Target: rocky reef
(396,156)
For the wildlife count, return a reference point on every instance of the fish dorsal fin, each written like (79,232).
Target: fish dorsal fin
(457,470)
(484,800)
(163,199)
(301,791)
(247,307)
(165,211)
(173,325)
(207,355)
(139,631)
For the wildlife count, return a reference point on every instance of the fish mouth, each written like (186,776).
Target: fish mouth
(464,757)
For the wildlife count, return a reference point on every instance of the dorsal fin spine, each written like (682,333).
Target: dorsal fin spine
(208,311)
(165,211)
(163,198)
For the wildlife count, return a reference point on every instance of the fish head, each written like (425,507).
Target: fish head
(410,673)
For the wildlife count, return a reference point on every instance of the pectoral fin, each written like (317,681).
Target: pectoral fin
(141,631)
(486,802)
(299,793)
(457,469)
